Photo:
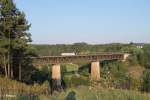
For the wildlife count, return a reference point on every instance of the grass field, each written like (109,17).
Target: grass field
(89,92)
(96,93)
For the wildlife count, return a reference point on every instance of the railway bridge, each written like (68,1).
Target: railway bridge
(95,60)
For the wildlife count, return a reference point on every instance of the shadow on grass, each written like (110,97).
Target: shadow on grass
(71,96)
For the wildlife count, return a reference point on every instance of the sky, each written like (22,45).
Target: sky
(91,21)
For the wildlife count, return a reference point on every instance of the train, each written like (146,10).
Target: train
(68,54)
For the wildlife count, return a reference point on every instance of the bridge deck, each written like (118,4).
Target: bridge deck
(77,58)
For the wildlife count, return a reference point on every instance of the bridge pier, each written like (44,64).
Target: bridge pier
(56,72)
(95,70)
(56,77)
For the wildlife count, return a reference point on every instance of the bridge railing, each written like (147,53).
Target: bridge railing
(78,58)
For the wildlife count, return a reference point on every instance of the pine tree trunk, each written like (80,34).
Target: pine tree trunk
(8,70)
(5,65)
(12,72)
(19,71)
(8,66)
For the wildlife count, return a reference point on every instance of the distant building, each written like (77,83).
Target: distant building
(138,45)
(68,54)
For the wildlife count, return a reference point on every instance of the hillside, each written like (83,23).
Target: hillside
(94,92)
(98,93)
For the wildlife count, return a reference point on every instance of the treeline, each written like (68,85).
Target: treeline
(81,48)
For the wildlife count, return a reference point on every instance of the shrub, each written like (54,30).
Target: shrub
(69,68)
(135,84)
(146,81)
(114,74)
(74,80)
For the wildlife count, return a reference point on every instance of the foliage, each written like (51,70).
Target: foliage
(144,57)
(146,80)
(140,56)
(69,68)
(39,76)
(115,74)
(133,60)
(84,69)
(79,48)
(75,80)
(14,39)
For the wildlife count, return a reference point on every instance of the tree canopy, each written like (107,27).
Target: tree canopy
(14,37)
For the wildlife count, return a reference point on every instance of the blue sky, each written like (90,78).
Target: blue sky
(91,21)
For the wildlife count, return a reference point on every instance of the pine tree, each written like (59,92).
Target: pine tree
(14,37)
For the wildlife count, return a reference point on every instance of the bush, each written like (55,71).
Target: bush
(69,68)
(135,84)
(133,60)
(146,81)
(74,80)
(84,69)
(114,70)
(115,75)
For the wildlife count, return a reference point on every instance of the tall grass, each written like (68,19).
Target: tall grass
(96,93)
(89,92)
(12,87)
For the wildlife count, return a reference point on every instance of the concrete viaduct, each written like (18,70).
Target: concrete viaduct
(95,60)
